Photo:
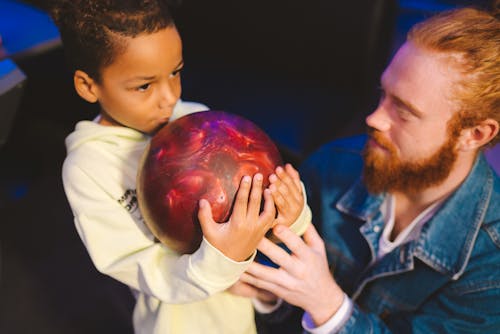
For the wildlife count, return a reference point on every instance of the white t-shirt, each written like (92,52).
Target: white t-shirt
(411,232)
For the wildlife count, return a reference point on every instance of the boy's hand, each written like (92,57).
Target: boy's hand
(238,238)
(286,190)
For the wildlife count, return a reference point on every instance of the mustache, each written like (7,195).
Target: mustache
(379,138)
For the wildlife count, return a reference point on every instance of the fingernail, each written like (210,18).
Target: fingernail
(246,179)
(203,203)
(279,169)
(258,177)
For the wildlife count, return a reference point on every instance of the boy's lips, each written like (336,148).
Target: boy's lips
(163,120)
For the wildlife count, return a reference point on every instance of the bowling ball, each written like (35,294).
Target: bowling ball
(200,155)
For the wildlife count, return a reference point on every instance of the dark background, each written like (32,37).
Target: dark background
(305,71)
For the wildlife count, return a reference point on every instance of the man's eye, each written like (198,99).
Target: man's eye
(143,88)
(404,113)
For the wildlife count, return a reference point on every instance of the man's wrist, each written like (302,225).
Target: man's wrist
(322,313)
(334,323)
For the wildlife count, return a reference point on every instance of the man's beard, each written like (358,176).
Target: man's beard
(384,171)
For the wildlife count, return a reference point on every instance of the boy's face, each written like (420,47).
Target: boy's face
(141,87)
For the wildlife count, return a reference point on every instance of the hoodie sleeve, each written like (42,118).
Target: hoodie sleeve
(121,247)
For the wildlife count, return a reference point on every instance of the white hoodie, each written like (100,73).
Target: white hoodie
(175,293)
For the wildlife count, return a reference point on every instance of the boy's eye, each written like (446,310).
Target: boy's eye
(143,88)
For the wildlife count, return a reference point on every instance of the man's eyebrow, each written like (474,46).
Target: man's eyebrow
(407,105)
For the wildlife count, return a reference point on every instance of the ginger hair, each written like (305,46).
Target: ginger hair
(471,37)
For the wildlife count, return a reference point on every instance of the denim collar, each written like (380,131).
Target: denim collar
(447,239)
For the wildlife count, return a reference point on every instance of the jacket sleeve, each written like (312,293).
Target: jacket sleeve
(463,312)
(122,247)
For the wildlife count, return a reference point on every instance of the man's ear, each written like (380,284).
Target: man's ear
(479,135)
(85,86)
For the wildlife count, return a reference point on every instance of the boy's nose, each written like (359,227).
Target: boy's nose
(169,97)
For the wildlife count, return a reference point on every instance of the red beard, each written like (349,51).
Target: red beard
(387,172)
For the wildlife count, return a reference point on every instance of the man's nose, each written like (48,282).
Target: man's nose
(379,119)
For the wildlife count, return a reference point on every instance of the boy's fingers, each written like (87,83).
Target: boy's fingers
(294,174)
(241,201)
(269,211)
(278,198)
(255,195)
(290,186)
(292,171)
(205,214)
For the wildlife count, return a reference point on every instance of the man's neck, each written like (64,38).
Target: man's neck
(410,204)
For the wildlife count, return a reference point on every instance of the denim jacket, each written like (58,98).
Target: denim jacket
(445,281)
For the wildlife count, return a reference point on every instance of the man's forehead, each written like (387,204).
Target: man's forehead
(417,74)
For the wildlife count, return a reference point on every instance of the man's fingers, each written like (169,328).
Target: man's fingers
(290,239)
(277,254)
(262,282)
(313,239)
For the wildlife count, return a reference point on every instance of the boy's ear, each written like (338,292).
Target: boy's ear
(85,86)
(479,135)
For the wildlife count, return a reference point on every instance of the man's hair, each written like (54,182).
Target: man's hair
(472,37)
(93,31)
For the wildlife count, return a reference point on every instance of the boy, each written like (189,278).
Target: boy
(127,56)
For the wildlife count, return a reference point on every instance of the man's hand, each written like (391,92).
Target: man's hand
(303,278)
(243,289)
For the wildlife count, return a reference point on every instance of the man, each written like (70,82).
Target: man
(411,223)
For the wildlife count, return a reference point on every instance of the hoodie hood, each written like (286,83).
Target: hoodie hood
(119,136)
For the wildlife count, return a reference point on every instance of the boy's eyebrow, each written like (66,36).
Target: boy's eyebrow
(147,78)
(181,63)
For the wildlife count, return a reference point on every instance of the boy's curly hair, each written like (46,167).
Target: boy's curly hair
(92,31)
